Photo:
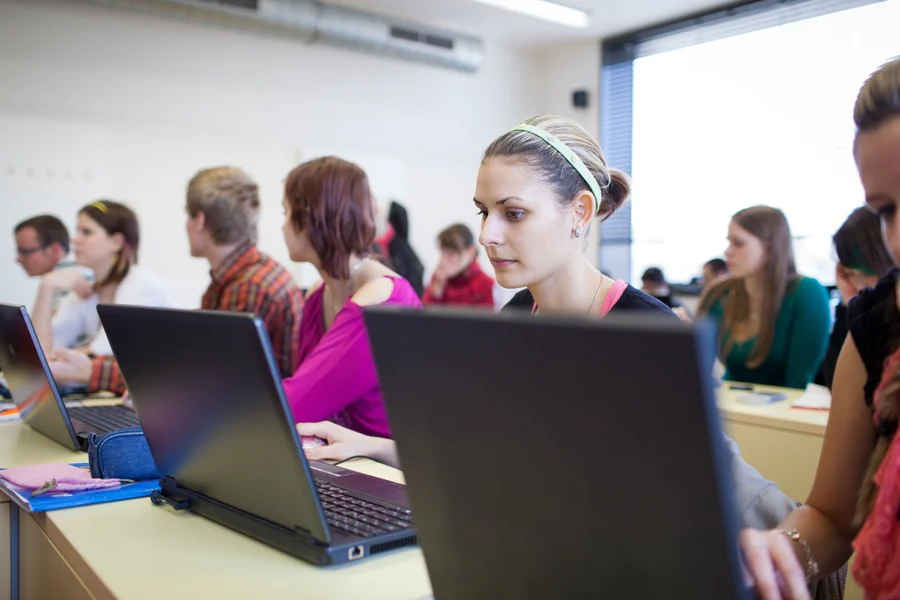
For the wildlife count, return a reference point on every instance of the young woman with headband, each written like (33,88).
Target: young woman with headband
(539,190)
(106,241)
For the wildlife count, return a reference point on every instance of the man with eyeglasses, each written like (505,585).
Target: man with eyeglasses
(42,243)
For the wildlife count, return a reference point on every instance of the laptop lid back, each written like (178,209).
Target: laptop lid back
(208,393)
(547,458)
(29,380)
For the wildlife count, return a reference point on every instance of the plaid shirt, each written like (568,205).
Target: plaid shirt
(246,281)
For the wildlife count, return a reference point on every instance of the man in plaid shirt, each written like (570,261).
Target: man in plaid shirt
(223,210)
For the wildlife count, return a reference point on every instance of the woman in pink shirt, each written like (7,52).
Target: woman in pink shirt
(330,223)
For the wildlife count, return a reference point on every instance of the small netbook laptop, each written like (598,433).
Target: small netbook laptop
(36,394)
(207,388)
(554,458)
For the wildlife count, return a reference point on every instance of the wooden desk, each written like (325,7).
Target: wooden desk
(135,550)
(781,442)
(132,549)
(21,445)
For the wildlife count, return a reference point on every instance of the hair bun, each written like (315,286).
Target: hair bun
(617,192)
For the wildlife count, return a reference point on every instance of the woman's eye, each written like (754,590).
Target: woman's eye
(887,212)
(515,215)
(482,213)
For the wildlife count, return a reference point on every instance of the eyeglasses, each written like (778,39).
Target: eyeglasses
(29,251)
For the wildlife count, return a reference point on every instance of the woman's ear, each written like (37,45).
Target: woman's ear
(584,210)
(119,240)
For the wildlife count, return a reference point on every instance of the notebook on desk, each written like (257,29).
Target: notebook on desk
(208,390)
(35,392)
(551,458)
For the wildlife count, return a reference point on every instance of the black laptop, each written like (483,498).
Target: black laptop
(554,458)
(207,388)
(36,395)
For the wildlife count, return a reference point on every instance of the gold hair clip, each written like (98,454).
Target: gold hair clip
(100,206)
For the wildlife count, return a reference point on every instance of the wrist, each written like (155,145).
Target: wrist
(811,567)
(386,451)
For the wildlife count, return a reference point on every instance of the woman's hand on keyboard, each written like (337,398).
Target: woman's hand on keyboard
(343,443)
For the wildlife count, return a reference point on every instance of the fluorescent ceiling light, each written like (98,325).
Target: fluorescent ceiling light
(543,9)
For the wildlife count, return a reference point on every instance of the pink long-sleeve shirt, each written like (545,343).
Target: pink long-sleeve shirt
(336,378)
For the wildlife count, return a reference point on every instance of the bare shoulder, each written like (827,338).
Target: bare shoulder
(376,291)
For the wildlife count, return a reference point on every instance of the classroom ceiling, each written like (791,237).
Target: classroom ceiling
(608,17)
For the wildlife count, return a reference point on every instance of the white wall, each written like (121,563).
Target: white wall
(557,71)
(96,102)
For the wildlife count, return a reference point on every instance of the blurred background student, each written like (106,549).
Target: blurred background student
(458,279)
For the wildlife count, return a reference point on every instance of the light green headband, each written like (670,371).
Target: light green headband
(570,156)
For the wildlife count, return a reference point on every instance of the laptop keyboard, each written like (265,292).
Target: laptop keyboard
(104,418)
(365,518)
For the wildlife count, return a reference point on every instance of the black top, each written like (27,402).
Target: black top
(835,343)
(404,259)
(874,323)
(669,300)
(632,299)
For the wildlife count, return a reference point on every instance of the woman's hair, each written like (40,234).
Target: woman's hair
(878,100)
(115,218)
(717,265)
(331,202)
(887,411)
(877,103)
(530,150)
(770,226)
(654,275)
(859,244)
(457,238)
(229,199)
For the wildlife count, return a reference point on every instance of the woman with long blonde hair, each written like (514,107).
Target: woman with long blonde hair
(773,323)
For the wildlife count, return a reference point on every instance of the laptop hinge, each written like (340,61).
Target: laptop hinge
(159,497)
(169,485)
(307,537)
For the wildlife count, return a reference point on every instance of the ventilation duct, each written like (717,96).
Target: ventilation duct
(313,21)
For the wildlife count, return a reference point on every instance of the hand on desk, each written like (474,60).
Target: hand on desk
(773,566)
(343,443)
(70,366)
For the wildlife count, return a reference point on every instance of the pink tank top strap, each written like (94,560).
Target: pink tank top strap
(613,296)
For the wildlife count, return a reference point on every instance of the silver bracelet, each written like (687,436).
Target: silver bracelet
(812,567)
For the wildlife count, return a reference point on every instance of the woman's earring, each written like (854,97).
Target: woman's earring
(577,232)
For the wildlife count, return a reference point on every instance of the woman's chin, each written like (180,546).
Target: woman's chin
(508,281)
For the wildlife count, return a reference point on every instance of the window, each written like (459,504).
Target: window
(752,106)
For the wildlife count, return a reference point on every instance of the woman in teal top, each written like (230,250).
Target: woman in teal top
(773,324)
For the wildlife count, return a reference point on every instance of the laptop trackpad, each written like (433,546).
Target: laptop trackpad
(388,491)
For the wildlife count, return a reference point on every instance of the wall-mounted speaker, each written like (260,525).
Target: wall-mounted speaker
(580,98)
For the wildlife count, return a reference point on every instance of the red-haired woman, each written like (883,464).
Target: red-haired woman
(330,223)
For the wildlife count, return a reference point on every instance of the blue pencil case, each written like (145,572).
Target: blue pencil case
(122,454)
